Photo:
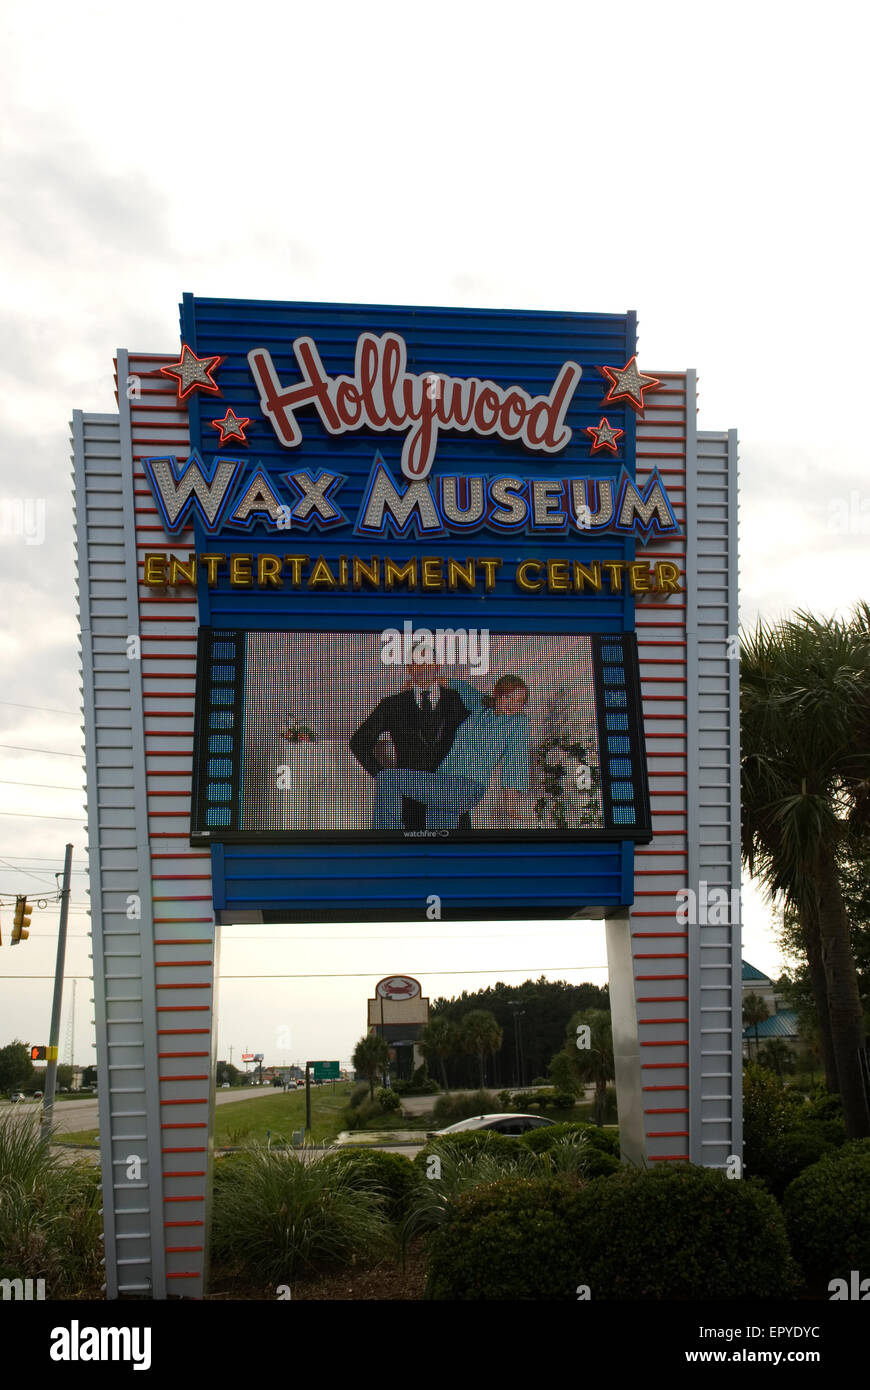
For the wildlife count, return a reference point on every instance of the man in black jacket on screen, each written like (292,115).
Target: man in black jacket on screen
(422,724)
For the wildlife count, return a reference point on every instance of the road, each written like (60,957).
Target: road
(70,1116)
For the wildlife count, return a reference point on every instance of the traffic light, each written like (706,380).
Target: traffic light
(21,920)
(37,1054)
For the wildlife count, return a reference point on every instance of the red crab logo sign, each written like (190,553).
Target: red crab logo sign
(397,987)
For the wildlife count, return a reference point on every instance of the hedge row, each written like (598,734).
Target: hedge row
(666,1233)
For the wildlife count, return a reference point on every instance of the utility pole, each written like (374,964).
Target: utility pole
(54,1030)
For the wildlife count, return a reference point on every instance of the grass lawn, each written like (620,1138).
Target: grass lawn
(283,1113)
(238,1121)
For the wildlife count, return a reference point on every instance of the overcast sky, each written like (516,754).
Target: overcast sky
(703,165)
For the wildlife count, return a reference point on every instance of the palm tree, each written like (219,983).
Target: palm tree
(371,1057)
(777,1055)
(480,1033)
(595,1062)
(805,720)
(440,1040)
(755,1011)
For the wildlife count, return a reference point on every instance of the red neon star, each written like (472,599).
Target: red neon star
(232,426)
(605,436)
(628,383)
(192,371)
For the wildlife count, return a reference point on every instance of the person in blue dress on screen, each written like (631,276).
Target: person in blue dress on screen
(495,733)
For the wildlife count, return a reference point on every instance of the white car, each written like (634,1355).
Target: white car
(514,1125)
(16,1096)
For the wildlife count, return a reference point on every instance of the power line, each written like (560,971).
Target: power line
(46,786)
(365,974)
(15,867)
(28,873)
(46,709)
(46,859)
(20,748)
(30,815)
(432,970)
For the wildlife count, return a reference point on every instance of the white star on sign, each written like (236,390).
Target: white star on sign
(628,384)
(191,371)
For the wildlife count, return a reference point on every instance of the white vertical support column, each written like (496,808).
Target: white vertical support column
(179,1012)
(693,681)
(734,772)
(626,1043)
(714,766)
(151,1107)
(120,878)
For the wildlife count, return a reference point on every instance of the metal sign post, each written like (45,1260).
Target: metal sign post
(54,1031)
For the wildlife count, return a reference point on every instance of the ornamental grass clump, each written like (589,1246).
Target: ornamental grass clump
(50,1222)
(281,1214)
(450,1170)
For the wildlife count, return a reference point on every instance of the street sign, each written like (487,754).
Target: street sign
(325,1071)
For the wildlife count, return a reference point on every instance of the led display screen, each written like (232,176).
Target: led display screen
(418,735)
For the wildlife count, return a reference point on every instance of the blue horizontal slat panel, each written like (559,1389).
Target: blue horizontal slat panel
(376,881)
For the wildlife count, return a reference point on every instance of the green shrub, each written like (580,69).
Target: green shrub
(516,1238)
(474,1141)
(424,1087)
(545,1136)
(359,1093)
(279,1214)
(50,1219)
(521,1100)
(391,1175)
(455,1170)
(782,1133)
(573,1155)
(362,1114)
(387,1099)
(682,1232)
(789,1154)
(547,1099)
(449,1109)
(563,1100)
(822,1105)
(768,1109)
(597,1164)
(827,1211)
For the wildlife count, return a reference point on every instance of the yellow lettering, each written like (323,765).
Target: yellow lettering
(155,569)
(211,563)
(527,585)
(240,572)
(489,568)
(294,564)
(667,577)
(185,568)
(321,574)
(639,577)
(370,573)
(590,575)
(269,571)
(431,572)
(558,579)
(400,574)
(458,573)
